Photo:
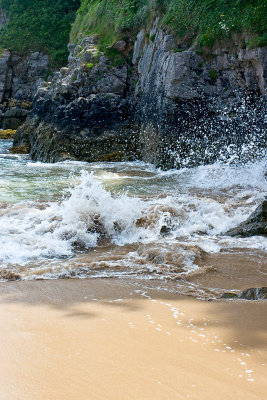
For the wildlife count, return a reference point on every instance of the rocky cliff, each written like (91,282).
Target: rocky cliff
(154,101)
(19,79)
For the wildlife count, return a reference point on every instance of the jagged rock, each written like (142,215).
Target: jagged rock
(248,294)
(253,294)
(256,224)
(175,108)
(194,109)
(19,79)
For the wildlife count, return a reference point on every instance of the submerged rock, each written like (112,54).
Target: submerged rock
(248,294)
(23,149)
(256,224)
(9,275)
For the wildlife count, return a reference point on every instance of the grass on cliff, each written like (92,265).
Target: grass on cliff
(188,19)
(38,25)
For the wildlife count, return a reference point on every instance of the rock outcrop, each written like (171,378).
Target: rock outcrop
(84,113)
(19,79)
(248,294)
(167,105)
(256,224)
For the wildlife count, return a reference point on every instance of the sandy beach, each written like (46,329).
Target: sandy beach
(107,339)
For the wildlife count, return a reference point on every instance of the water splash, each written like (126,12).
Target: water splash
(129,219)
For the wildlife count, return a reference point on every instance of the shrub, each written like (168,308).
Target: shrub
(39,25)
(210,19)
(206,40)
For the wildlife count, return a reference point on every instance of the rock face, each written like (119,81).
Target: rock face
(256,224)
(84,113)
(248,294)
(170,106)
(19,79)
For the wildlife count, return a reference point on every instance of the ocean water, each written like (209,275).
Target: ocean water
(131,220)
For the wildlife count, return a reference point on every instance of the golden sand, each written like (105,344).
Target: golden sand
(99,339)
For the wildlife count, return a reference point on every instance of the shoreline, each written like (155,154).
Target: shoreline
(107,339)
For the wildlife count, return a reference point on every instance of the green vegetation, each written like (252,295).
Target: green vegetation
(206,39)
(44,25)
(38,25)
(213,74)
(89,65)
(153,37)
(188,19)
(258,41)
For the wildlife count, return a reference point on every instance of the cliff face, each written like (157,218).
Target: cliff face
(170,107)
(196,108)
(19,79)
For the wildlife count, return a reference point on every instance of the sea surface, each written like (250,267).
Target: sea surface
(131,220)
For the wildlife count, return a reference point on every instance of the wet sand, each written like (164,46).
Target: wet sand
(106,339)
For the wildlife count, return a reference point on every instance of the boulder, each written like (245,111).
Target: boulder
(256,224)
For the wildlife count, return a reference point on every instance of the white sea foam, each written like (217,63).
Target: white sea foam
(190,207)
(28,232)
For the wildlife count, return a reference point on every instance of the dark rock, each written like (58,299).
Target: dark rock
(253,294)
(173,109)
(14,117)
(71,47)
(16,112)
(256,224)
(19,79)
(248,294)
(23,149)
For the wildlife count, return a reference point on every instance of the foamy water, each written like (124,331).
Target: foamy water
(122,219)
